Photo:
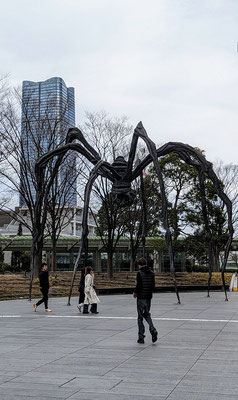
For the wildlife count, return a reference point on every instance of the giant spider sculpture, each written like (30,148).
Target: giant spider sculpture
(122,173)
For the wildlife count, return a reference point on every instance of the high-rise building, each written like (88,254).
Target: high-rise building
(48,111)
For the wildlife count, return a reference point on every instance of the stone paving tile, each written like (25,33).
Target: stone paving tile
(83,395)
(220,356)
(208,384)
(5,378)
(172,354)
(212,367)
(84,362)
(116,354)
(75,370)
(88,383)
(146,375)
(45,379)
(170,368)
(222,346)
(30,354)
(25,397)
(167,344)
(96,358)
(23,366)
(177,395)
(20,389)
(143,388)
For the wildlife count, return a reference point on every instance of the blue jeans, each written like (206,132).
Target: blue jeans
(143,310)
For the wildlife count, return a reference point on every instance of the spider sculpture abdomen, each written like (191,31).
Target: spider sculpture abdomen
(121,188)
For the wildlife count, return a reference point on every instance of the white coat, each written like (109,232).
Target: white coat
(233,283)
(90,294)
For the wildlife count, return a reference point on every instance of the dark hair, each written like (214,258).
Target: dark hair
(142,261)
(88,270)
(43,264)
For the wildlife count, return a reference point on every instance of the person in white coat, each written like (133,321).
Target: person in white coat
(90,294)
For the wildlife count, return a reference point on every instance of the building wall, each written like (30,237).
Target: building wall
(47,107)
(74,228)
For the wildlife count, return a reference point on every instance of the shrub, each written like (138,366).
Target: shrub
(196,268)
(5,267)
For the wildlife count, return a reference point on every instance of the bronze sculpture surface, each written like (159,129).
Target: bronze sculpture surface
(122,173)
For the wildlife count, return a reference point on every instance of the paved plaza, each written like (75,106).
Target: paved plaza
(65,355)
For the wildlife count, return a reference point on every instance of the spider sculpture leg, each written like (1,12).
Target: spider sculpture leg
(40,211)
(84,238)
(87,151)
(202,165)
(228,204)
(194,158)
(141,132)
(144,216)
(207,227)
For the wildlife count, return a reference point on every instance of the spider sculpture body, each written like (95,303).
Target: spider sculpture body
(121,188)
(122,173)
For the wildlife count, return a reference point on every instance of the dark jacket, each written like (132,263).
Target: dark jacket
(145,283)
(44,280)
(81,286)
(82,282)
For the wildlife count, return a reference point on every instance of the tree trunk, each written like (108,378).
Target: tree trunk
(37,262)
(132,262)
(53,258)
(216,263)
(109,265)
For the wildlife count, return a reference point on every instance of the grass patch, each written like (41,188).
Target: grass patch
(15,286)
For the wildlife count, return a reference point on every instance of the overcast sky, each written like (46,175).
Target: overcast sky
(171,63)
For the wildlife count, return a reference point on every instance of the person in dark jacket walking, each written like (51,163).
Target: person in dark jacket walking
(44,287)
(145,283)
(81,288)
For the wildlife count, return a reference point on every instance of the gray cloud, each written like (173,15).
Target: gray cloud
(170,63)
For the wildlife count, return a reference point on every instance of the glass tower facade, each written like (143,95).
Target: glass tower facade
(48,111)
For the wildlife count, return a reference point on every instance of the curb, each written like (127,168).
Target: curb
(183,288)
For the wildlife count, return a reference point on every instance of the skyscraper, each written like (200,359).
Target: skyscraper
(48,111)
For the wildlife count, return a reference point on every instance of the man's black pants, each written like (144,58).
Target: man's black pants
(44,298)
(143,309)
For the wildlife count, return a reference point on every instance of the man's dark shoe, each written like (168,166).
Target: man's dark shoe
(85,312)
(154,335)
(140,341)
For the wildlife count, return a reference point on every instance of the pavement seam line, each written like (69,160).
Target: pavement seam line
(118,383)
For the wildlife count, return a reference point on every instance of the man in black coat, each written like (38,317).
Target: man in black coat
(44,287)
(145,283)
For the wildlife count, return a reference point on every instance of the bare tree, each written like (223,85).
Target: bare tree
(109,137)
(22,142)
(60,204)
(142,218)
(228,174)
